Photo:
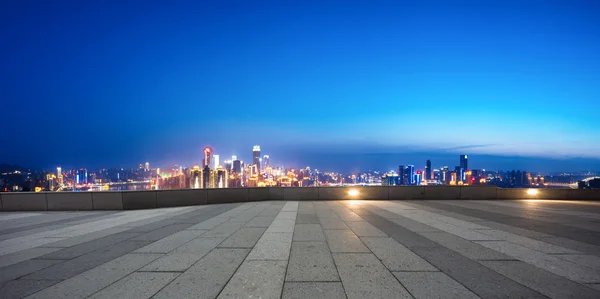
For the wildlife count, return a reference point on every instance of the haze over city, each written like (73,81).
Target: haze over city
(335,86)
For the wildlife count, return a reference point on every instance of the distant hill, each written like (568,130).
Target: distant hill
(9,167)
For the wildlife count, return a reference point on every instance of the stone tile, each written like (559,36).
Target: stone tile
(171,242)
(542,281)
(348,216)
(210,223)
(307,218)
(185,256)
(87,237)
(424,285)
(311,261)
(245,237)
(308,232)
(87,247)
(86,262)
(272,246)
(256,279)
(162,232)
(22,288)
(20,256)
(281,226)
(94,280)
(332,223)
(137,285)
(207,277)
(395,256)
(469,249)
(286,216)
(223,230)
(547,262)
(24,268)
(260,221)
(302,290)
(344,241)
(527,242)
(365,229)
(414,226)
(572,244)
(586,260)
(363,276)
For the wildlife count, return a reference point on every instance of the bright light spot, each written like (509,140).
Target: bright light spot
(353,192)
(532,191)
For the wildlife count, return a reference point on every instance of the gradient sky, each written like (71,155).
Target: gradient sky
(116,83)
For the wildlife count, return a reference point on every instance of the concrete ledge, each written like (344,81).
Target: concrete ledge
(1,207)
(406,192)
(226,195)
(24,201)
(506,193)
(69,201)
(442,192)
(134,200)
(299,193)
(275,193)
(257,194)
(478,192)
(584,194)
(333,193)
(108,200)
(178,198)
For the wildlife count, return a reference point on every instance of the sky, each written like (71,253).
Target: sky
(331,84)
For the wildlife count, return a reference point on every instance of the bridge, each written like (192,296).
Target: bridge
(342,243)
(572,185)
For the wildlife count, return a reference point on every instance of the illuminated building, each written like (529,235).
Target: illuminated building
(418,177)
(59,176)
(221,178)
(463,162)
(206,181)
(453,178)
(228,164)
(256,156)
(207,154)
(81,177)
(266,161)
(147,166)
(460,173)
(196,177)
(428,170)
(390,179)
(237,166)
(215,162)
(469,180)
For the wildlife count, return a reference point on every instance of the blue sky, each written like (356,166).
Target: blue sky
(92,83)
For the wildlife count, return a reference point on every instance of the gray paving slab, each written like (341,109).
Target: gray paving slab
(363,276)
(256,279)
(209,223)
(21,288)
(20,256)
(86,238)
(96,279)
(24,268)
(395,256)
(572,244)
(542,281)
(185,256)
(224,230)
(332,223)
(260,221)
(147,226)
(425,285)
(304,290)
(272,246)
(365,229)
(590,261)
(413,225)
(308,232)
(527,242)
(87,261)
(344,241)
(206,278)
(138,285)
(311,261)
(160,233)
(81,249)
(245,237)
(307,219)
(171,242)
(467,248)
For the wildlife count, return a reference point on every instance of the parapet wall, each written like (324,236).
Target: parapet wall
(133,200)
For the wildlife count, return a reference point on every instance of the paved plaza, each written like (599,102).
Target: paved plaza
(319,249)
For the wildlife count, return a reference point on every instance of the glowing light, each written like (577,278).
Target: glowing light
(353,192)
(532,192)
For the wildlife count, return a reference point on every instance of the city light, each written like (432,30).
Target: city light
(353,192)
(532,192)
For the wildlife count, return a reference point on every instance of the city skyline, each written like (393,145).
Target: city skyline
(326,84)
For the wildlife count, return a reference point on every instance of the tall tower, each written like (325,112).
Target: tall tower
(256,157)
(266,161)
(215,162)
(207,155)
(147,166)
(428,170)
(463,162)
(59,177)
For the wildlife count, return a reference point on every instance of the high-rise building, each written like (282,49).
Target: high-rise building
(266,161)
(227,165)
(460,173)
(418,177)
(237,166)
(196,178)
(411,174)
(206,177)
(81,177)
(428,170)
(463,162)
(147,166)
(221,178)
(215,162)
(256,156)
(207,156)
(59,177)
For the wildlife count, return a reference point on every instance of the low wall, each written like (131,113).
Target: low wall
(133,200)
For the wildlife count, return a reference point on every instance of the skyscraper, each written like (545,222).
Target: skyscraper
(59,177)
(215,162)
(228,164)
(237,166)
(147,166)
(411,174)
(207,156)
(266,161)
(428,170)
(256,156)
(206,177)
(463,162)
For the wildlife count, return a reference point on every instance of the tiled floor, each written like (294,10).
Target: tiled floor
(287,249)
